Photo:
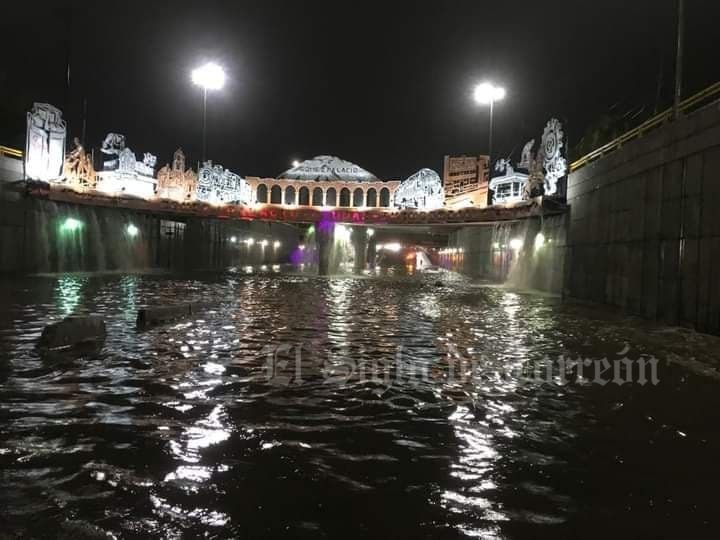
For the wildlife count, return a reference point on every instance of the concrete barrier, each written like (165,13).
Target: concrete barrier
(153,316)
(73,331)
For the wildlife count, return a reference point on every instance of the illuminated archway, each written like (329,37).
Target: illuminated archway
(331,197)
(358,197)
(385,197)
(290,195)
(261,194)
(275,195)
(371,197)
(304,196)
(344,197)
(317,197)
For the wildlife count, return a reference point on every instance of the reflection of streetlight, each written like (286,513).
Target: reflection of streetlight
(209,77)
(487,94)
(370,232)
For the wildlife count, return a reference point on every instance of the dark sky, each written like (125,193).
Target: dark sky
(387,85)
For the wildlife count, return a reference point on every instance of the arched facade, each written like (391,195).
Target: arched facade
(324,182)
(276,194)
(261,193)
(331,197)
(344,197)
(318,197)
(304,196)
(289,195)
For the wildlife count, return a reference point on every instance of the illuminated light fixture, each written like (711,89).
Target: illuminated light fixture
(496,245)
(393,246)
(249,241)
(370,232)
(487,93)
(233,239)
(516,244)
(295,163)
(248,269)
(276,244)
(71,225)
(132,231)
(263,243)
(311,229)
(209,76)
(539,240)
(275,267)
(301,247)
(263,267)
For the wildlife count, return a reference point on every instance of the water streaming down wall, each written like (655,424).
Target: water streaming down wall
(40,236)
(512,253)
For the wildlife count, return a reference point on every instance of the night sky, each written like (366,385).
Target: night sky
(387,85)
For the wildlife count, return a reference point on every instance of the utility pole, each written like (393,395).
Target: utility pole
(679,57)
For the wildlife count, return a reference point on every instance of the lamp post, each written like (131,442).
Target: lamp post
(487,94)
(209,77)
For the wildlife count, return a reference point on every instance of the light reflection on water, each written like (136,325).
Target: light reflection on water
(177,432)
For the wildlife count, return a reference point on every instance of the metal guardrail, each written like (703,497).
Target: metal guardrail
(10,152)
(657,120)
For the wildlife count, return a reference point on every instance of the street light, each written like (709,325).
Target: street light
(209,77)
(487,94)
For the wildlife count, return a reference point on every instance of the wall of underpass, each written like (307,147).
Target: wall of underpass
(644,233)
(38,236)
(527,254)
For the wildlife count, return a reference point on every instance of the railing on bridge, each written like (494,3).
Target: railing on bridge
(10,152)
(711,92)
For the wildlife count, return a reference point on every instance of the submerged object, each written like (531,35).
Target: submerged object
(71,331)
(153,316)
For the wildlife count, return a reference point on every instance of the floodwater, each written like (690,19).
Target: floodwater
(376,407)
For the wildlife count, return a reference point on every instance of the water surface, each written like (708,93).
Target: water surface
(192,429)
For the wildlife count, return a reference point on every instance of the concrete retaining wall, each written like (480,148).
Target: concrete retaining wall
(644,231)
(485,252)
(32,239)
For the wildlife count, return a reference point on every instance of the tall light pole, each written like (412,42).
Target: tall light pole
(209,77)
(679,57)
(487,94)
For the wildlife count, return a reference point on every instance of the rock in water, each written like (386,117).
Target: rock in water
(73,331)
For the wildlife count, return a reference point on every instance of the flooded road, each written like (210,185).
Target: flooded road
(376,407)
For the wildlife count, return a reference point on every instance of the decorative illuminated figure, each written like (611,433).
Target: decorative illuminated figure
(328,168)
(175,182)
(218,185)
(78,170)
(122,173)
(551,147)
(545,167)
(508,187)
(45,143)
(421,191)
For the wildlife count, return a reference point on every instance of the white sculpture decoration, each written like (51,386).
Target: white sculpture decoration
(122,172)
(45,143)
(551,147)
(527,157)
(219,185)
(509,185)
(328,168)
(175,182)
(421,191)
